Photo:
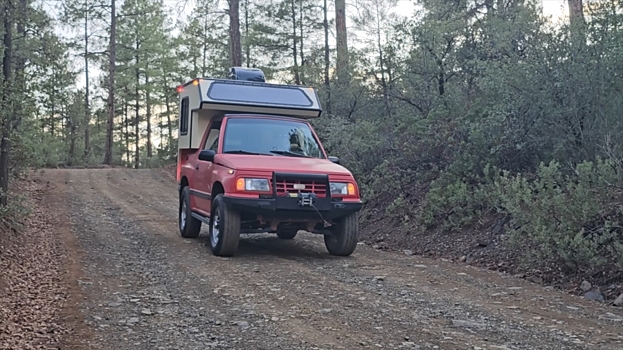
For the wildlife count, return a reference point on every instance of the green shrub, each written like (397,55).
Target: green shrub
(458,201)
(569,221)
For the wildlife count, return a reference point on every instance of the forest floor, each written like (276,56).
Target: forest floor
(101,265)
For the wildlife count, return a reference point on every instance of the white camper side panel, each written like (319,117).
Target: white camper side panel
(200,120)
(189,104)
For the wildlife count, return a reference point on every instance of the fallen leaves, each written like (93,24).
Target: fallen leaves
(32,293)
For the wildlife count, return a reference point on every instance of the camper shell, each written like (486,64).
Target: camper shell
(249,161)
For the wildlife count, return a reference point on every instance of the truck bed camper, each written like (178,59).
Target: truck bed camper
(249,161)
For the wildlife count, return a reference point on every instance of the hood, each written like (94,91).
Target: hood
(281,164)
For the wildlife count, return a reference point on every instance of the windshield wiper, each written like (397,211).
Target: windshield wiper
(247,152)
(291,154)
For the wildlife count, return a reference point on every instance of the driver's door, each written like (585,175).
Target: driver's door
(203,178)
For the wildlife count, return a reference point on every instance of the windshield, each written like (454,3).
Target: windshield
(270,137)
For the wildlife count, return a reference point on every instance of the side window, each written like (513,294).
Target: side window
(184,116)
(212,139)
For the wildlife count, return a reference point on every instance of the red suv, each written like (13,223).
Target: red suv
(258,172)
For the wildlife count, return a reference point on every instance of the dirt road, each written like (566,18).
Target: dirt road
(139,285)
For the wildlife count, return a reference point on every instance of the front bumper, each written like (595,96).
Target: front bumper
(289,208)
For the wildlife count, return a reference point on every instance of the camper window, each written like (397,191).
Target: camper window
(212,139)
(184,116)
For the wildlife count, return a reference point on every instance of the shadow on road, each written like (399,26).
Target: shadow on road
(263,245)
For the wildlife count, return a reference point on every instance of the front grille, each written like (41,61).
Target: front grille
(284,187)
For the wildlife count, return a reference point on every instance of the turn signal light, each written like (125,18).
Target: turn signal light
(351,189)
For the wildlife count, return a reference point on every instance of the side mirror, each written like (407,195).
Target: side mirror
(335,160)
(207,155)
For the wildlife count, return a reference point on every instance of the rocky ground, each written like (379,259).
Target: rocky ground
(127,280)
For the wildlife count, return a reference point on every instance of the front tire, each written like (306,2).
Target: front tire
(188,225)
(224,228)
(343,238)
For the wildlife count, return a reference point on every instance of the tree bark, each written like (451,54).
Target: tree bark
(148,116)
(381,60)
(297,75)
(111,85)
(234,33)
(577,21)
(20,66)
(87,111)
(127,133)
(72,138)
(7,62)
(247,47)
(137,117)
(169,123)
(576,12)
(327,62)
(301,27)
(342,42)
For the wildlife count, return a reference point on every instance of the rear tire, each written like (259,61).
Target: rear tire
(287,234)
(343,238)
(224,228)
(188,225)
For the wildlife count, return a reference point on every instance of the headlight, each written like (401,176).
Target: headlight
(260,185)
(342,188)
(339,188)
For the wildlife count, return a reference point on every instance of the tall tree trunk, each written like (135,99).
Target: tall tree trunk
(20,62)
(247,47)
(127,132)
(576,12)
(20,66)
(148,115)
(169,122)
(301,47)
(381,59)
(577,21)
(342,42)
(53,109)
(5,141)
(234,33)
(71,125)
(98,123)
(87,110)
(204,62)
(111,85)
(327,61)
(137,118)
(161,134)
(297,75)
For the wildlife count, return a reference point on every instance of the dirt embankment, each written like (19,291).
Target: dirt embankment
(483,246)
